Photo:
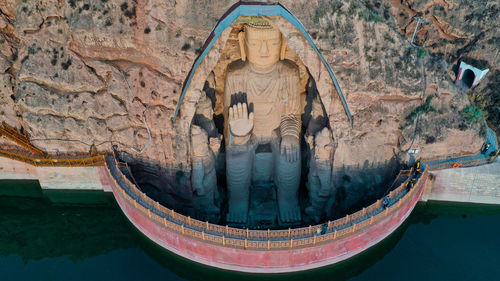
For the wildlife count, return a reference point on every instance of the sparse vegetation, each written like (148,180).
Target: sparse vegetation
(130,13)
(327,8)
(67,64)
(124,6)
(72,3)
(421,53)
(353,7)
(370,16)
(430,139)
(389,38)
(31,50)
(472,114)
(419,110)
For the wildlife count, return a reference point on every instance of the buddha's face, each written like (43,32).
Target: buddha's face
(262,46)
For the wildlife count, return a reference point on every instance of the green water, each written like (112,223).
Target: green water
(40,240)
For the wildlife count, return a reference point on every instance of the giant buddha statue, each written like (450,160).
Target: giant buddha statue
(262,122)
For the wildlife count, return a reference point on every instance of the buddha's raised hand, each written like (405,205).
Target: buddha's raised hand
(240,122)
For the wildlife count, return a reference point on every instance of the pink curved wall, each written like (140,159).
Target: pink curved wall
(274,261)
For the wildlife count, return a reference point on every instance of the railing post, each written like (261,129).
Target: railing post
(310,229)
(182,227)
(189,220)
(268,233)
(353,227)
(289,232)
(314,241)
(291,243)
(371,220)
(165,222)
(223,240)
(268,244)
(227,229)
(246,243)
(206,225)
(329,225)
(203,235)
(247,232)
(335,234)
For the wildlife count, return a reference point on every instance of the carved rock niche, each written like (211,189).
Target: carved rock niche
(264,159)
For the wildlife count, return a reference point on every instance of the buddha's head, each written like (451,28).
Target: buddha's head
(261,44)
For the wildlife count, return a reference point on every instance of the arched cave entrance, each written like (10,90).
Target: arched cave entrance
(468,78)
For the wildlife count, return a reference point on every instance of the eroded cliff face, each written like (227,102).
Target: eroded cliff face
(78,72)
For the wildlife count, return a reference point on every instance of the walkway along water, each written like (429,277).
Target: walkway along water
(268,251)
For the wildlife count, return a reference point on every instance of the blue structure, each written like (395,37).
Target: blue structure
(256,9)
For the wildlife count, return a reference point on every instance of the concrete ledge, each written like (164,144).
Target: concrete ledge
(16,170)
(56,178)
(479,184)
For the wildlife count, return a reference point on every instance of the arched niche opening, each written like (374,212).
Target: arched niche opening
(275,171)
(468,78)
(203,91)
(297,39)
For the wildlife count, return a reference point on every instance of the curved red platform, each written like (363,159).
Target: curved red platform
(269,261)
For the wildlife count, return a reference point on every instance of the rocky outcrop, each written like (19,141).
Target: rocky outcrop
(454,31)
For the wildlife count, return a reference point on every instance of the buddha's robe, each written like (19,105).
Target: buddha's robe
(273,96)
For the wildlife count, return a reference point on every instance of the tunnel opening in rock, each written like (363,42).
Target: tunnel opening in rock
(468,78)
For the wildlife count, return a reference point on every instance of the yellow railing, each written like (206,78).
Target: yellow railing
(55,161)
(262,239)
(19,138)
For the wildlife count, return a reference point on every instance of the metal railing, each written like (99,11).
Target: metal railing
(261,239)
(55,161)
(19,138)
(461,162)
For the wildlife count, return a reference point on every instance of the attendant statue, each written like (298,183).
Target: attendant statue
(204,114)
(262,122)
(320,181)
(204,178)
